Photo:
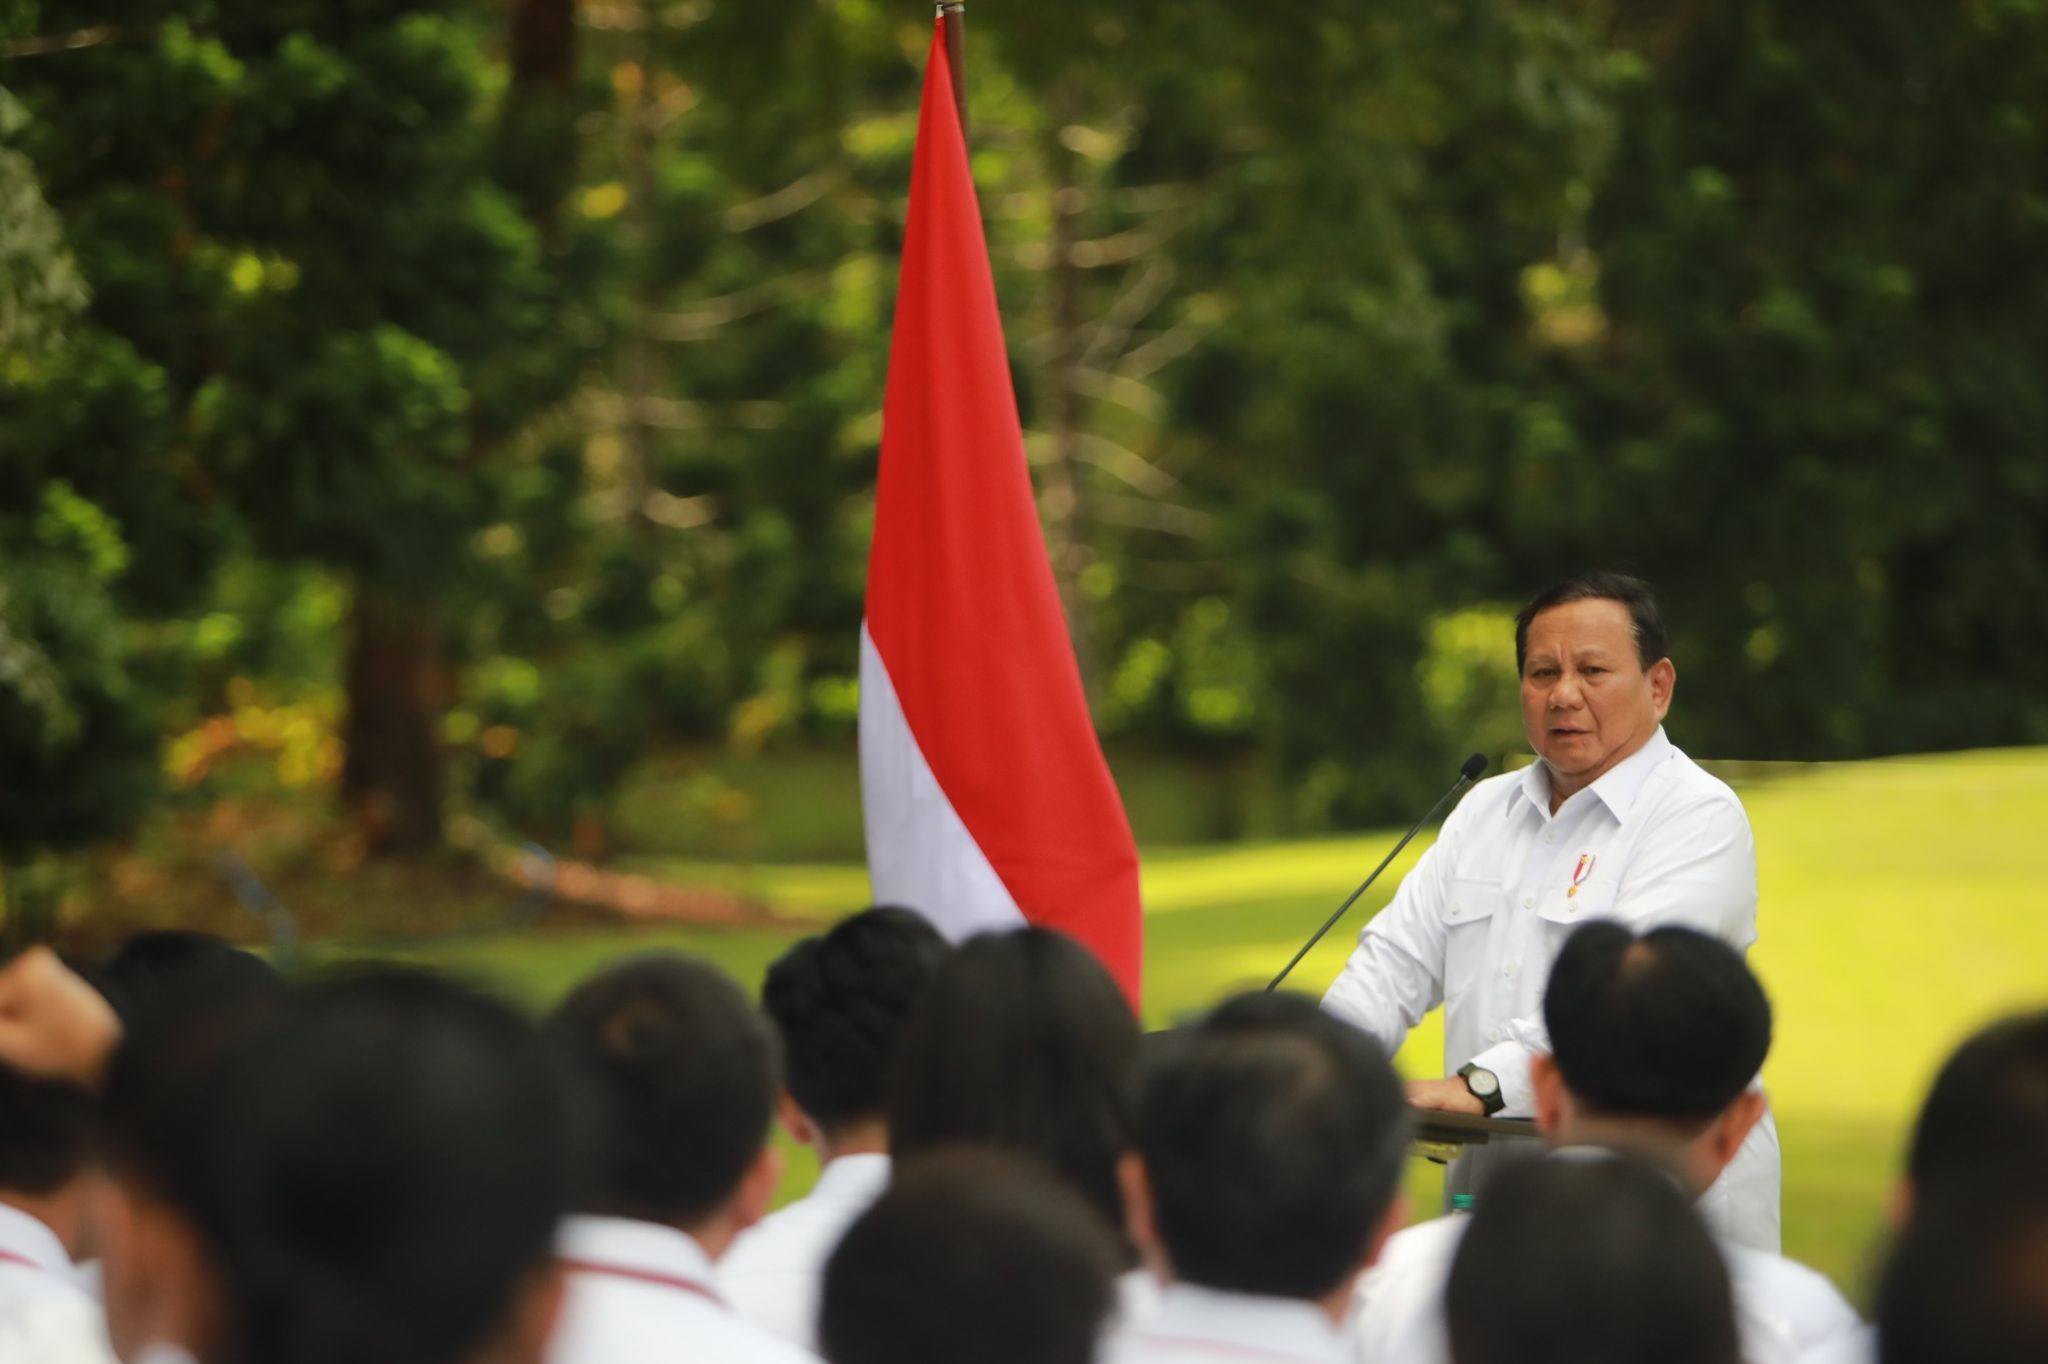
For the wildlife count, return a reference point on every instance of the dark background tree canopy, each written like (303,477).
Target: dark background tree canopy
(500,384)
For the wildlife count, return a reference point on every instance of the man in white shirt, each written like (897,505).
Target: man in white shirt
(1656,1038)
(1611,822)
(687,1074)
(45,1309)
(838,1001)
(1270,1141)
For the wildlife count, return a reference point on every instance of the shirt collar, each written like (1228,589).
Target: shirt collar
(1617,788)
(638,1247)
(30,1239)
(1243,1325)
(853,1180)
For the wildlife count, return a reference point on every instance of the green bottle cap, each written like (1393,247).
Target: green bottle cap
(1461,1202)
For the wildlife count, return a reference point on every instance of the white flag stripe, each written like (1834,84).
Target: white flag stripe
(920,855)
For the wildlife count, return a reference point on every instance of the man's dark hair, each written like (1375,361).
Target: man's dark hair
(840,1001)
(1022,1041)
(1578,1261)
(399,1153)
(46,1132)
(686,1073)
(972,1254)
(156,963)
(1671,1024)
(1645,617)
(1967,1282)
(1988,1109)
(1273,1137)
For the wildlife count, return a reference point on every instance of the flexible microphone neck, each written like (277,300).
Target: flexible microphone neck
(1467,774)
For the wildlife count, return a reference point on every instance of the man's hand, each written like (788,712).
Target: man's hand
(1445,1096)
(52,1024)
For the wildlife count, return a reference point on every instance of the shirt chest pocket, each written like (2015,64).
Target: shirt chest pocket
(1468,917)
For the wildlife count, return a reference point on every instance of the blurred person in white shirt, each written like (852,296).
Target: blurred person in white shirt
(1656,1040)
(838,1002)
(1271,1139)
(974,1254)
(1613,822)
(686,1074)
(46,1132)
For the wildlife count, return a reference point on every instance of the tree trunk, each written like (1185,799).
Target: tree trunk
(396,682)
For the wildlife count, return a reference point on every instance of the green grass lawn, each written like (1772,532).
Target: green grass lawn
(1900,910)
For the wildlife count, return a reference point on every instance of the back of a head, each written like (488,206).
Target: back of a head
(1986,1118)
(1022,1041)
(46,1133)
(1670,1025)
(1967,1281)
(972,1254)
(685,1071)
(1577,1261)
(1273,1137)
(403,1149)
(840,1001)
(163,963)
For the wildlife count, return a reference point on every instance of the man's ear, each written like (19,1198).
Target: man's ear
(1548,1083)
(1141,1224)
(1725,1136)
(1663,681)
(794,1120)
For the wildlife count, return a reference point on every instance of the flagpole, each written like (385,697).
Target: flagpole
(953,18)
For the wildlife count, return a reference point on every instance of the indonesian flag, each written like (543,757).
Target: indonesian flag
(987,800)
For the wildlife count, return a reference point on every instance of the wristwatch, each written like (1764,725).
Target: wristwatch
(1485,1087)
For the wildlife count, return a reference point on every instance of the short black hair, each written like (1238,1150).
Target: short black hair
(1671,1024)
(158,962)
(1967,1281)
(840,1001)
(972,1254)
(1273,1137)
(401,1152)
(1645,617)
(685,1072)
(46,1132)
(1022,1041)
(1569,1260)
(1988,1108)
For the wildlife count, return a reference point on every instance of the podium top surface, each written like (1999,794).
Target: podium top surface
(1462,1129)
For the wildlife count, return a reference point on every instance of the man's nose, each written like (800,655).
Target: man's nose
(1566,694)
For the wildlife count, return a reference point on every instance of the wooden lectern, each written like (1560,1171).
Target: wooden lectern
(1441,1136)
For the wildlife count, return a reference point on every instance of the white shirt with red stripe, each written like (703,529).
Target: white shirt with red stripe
(641,1293)
(774,1270)
(1195,1325)
(46,1314)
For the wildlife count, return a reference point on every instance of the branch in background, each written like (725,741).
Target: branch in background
(701,321)
(1138,298)
(97,36)
(792,198)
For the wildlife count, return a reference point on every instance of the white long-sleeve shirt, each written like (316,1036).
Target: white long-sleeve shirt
(46,1313)
(640,1293)
(773,1272)
(1478,922)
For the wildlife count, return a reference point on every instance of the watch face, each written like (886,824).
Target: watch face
(1482,1083)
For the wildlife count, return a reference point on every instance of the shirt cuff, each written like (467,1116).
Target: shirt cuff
(1509,1062)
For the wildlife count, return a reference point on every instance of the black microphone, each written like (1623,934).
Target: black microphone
(1467,774)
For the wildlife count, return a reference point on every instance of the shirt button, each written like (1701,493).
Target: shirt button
(1550,838)
(1528,902)
(1456,910)
(1493,1034)
(1508,969)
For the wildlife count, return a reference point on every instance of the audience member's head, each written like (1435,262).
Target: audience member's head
(1986,1118)
(972,1254)
(400,1154)
(1655,1040)
(1588,1261)
(46,1129)
(685,1072)
(1024,1042)
(1271,1140)
(148,966)
(171,1103)
(1967,1282)
(840,1001)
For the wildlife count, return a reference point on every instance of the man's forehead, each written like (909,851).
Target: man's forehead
(1595,625)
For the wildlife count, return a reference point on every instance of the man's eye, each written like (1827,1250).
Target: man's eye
(1542,674)
(1592,672)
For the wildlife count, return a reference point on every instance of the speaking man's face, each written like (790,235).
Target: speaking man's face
(1587,700)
